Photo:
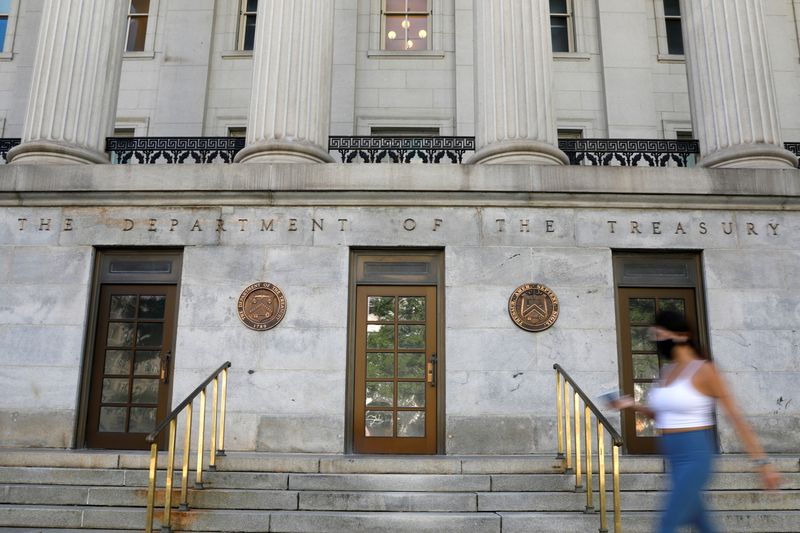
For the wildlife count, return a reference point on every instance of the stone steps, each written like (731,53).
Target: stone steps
(65,491)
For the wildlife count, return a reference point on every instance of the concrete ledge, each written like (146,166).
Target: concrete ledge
(322,522)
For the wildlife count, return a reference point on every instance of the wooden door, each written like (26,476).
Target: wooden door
(641,365)
(396,375)
(132,365)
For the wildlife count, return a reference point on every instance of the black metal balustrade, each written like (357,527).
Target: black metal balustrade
(631,152)
(173,150)
(369,149)
(5,146)
(795,149)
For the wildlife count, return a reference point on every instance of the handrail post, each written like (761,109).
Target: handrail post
(601,475)
(151,487)
(165,521)
(617,507)
(559,421)
(201,428)
(187,450)
(212,452)
(224,394)
(567,426)
(578,480)
(587,413)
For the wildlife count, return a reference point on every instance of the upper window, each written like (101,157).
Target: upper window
(247,24)
(561,25)
(137,25)
(5,12)
(672,18)
(406,25)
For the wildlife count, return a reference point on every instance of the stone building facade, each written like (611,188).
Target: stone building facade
(121,284)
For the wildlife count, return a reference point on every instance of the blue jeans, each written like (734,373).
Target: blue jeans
(690,455)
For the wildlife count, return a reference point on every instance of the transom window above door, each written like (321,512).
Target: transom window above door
(406,25)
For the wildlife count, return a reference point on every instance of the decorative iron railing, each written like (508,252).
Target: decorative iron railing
(173,150)
(795,149)
(565,450)
(5,146)
(369,149)
(631,152)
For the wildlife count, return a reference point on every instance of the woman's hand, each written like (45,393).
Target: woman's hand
(770,478)
(623,402)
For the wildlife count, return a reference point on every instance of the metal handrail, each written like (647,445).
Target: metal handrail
(216,447)
(563,428)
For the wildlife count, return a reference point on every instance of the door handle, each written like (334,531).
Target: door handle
(432,370)
(165,360)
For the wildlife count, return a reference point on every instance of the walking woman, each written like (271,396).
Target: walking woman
(683,408)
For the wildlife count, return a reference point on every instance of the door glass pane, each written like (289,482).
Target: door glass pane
(112,419)
(411,365)
(118,362)
(145,391)
(150,334)
(640,341)
(143,419)
(115,390)
(645,427)
(122,306)
(642,310)
(152,306)
(672,304)
(380,336)
(411,394)
(147,363)
(380,394)
(378,424)
(411,308)
(380,365)
(411,424)
(645,366)
(120,334)
(381,309)
(411,336)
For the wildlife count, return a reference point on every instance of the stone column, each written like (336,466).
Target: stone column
(731,88)
(291,93)
(513,71)
(75,83)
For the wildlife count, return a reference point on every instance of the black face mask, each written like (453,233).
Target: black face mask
(664,348)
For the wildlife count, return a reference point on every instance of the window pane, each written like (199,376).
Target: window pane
(112,419)
(559,34)
(395,6)
(411,308)
(378,424)
(150,335)
(252,5)
(674,37)
(137,28)
(645,427)
(380,365)
(381,308)
(118,361)
(380,336)
(120,334)
(140,6)
(558,6)
(672,8)
(380,394)
(147,363)
(411,394)
(411,424)
(645,366)
(640,341)
(642,310)
(418,6)
(122,306)
(411,365)
(411,337)
(672,304)
(115,390)
(145,391)
(143,419)
(249,32)
(5,6)
(3,26)
(152,306)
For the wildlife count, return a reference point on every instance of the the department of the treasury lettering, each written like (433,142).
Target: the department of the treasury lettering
(261,306)
(533,307)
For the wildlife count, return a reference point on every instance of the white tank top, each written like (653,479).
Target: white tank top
(680,404)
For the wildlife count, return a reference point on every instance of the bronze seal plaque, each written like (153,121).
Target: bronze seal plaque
(261,306)
(533,307)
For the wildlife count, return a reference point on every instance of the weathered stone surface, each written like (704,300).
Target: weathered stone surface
(388,501)
(23,427)
(300,434)
(390,482)
(490,434)
(319,522)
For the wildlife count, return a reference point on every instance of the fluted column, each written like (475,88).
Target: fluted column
(291,92)
(75,83)
(731,88)
(513,68)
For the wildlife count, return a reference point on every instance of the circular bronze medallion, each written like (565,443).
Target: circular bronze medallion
(261,306)
(533,307)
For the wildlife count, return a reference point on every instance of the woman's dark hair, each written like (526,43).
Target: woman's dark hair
(676,323)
